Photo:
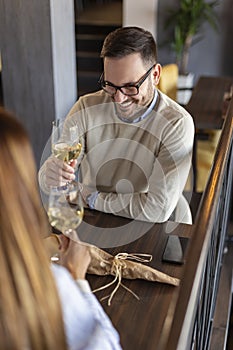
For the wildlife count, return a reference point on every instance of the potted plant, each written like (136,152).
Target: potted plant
(186,22)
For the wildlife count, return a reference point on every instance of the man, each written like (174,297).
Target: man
(137,142)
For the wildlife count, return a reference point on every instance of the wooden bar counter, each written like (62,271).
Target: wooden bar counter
(139,322)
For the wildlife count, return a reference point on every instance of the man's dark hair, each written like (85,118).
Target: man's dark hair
(127,40)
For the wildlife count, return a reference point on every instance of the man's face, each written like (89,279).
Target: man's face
(129,70)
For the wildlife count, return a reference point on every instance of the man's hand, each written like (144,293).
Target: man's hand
(58,173)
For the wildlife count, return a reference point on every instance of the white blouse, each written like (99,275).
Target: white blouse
(86,324)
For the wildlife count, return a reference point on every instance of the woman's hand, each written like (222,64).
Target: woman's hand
(74,256)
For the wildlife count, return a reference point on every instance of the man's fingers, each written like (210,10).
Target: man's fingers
(73,163)
(58,173)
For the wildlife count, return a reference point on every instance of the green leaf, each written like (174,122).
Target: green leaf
(187,20)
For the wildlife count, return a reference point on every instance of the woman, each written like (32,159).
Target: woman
(41,307)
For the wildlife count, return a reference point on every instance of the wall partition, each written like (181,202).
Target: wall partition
(38,63)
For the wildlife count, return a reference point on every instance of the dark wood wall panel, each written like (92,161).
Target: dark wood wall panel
(38,63)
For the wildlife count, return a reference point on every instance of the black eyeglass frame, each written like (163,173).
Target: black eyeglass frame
(103,83)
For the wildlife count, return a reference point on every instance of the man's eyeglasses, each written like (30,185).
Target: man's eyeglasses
(127,89)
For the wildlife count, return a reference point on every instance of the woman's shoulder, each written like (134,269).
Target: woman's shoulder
(61,274)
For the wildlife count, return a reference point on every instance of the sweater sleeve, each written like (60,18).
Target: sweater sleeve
(167,180)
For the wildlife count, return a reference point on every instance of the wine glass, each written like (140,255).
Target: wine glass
(65,209)
(65,141)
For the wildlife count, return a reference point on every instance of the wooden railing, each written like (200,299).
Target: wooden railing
(189,321)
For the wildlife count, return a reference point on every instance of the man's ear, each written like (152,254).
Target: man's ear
(156,73)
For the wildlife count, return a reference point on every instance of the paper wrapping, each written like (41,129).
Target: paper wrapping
(103,263)
(123,265)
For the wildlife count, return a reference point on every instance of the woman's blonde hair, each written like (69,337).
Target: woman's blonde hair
(30,312)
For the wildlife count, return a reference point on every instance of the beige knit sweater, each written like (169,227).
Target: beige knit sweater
(139,169)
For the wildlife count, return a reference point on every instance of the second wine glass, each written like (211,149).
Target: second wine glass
(65,208)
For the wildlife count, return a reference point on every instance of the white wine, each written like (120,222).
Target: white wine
(60,150)
(66,152)
(65,218)
(74,151)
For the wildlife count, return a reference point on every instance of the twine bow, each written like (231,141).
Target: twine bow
(117,266)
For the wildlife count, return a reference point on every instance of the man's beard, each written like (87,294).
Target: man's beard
(130,114)
(134,110)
